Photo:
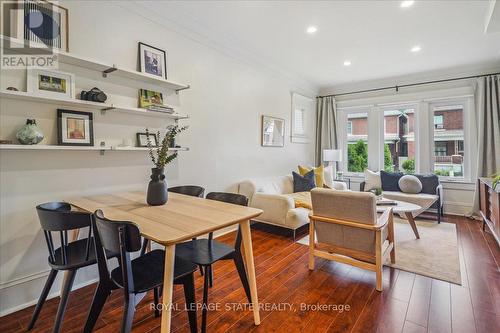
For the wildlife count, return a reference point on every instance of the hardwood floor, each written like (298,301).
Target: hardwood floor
(409,302)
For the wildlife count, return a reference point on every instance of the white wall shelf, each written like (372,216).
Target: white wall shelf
(98,148)
(103,107)
(106,69)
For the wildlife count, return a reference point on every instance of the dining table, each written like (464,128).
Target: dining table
(180,219)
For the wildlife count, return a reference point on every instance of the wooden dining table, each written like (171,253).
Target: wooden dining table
(180,219)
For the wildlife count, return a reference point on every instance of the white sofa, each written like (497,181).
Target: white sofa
(272,195)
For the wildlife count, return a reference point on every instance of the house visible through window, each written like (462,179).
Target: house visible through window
(349,127)
(357,138)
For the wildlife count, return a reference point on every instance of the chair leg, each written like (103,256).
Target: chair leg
(101,294)
(145,245)
(201,269)
(238,261)
(205,300)
(189,295)
(128,314)
(66,289)
(156,294)
(43,297)
(211,277)
(439,215)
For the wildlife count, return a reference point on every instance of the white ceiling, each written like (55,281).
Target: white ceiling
(376,36)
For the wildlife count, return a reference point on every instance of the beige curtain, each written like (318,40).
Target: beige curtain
(326,126)
(487,114)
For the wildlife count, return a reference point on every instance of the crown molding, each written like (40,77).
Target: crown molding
(182,23)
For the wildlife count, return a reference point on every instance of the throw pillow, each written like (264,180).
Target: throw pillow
(303,183)
(429,183)
(328,177)
(318,174)
(372,180)
(410,184)
(390,180)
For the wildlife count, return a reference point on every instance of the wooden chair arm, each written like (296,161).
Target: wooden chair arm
(384,218)
(350,223)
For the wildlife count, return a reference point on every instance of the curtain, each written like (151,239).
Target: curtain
(487,96)
(326,126)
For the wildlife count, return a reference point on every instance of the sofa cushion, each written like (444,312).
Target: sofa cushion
(303,183)
(319,177)
(410,184)
(390,180)
(429,183)
(372,180)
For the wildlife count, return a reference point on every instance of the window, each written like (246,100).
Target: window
(298,122)
(301,124)
(448,140)
(357,138)
(399,139)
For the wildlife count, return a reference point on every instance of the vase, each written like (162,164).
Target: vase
(29,134)
(157,188)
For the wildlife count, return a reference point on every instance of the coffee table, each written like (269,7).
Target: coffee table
(406,208)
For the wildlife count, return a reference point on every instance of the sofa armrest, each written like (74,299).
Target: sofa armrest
(341,186)
(362,186)
(439,193)
(275,206)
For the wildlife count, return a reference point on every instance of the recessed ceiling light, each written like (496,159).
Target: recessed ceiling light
(347,63)
(407,3)
(312,29)
(416,48)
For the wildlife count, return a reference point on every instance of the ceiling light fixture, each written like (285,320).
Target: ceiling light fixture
(312,29)
(416,48)
(347,63)
(407,3)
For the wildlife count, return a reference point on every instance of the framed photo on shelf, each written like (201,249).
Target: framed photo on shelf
(45,82)
(152,60)
(142,139)
(149,97)
(42,23)
(273,132)
(75,128)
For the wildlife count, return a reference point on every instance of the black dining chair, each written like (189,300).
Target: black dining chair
(135,277)
(59,218)
(206,252)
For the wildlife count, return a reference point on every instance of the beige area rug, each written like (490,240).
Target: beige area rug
(434,255)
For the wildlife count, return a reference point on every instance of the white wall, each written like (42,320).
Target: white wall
(225,104)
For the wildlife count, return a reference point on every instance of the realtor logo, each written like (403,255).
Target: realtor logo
(32,33)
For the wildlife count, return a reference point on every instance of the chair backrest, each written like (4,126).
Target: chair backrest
(351,206)
(117,237)
(232,198)
(59,217)
(192,190)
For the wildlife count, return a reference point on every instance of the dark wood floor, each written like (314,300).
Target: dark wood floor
(409,302)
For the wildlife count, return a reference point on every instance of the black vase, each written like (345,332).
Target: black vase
(157,188)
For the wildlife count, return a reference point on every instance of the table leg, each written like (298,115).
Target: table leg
(413,225)
(247,243)
(168,287)
(73,237)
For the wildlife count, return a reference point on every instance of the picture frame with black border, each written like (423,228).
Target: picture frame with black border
(75,128)
(142,139)
(156,63)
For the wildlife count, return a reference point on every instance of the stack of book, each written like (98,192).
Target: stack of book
(160,108)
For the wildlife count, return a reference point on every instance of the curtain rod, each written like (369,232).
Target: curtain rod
(409,85)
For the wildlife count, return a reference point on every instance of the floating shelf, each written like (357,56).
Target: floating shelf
(106,69)
(103,107)
(98,148)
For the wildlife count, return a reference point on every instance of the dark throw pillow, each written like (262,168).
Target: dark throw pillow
(390,180)
(429,183)
(303,183)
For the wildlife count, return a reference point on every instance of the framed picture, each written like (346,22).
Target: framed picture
(142,139)
(75,128)
(149,97)
(44,24)
(152,60)
(273,132)
(50,83)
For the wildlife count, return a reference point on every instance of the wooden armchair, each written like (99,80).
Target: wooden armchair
(344,227)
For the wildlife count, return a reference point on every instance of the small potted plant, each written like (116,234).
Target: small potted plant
(160,156)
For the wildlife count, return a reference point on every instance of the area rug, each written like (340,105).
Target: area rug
(434,255)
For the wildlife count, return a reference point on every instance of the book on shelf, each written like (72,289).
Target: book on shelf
(160,108)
